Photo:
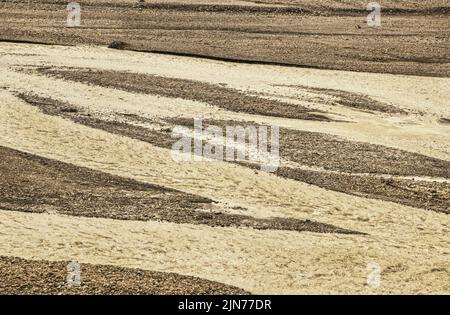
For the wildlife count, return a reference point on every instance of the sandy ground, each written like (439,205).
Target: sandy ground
(411,244)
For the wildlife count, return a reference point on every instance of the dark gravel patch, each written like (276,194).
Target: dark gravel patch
(34,184)
(227,98)
(316,35)
(444,121)
(352,100)
(433,196)
(335,153)
(29,277)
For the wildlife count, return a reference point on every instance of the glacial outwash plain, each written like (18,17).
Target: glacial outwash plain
(360,200)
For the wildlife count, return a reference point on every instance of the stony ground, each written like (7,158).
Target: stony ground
(414,38)
(86,133)
(20,276)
